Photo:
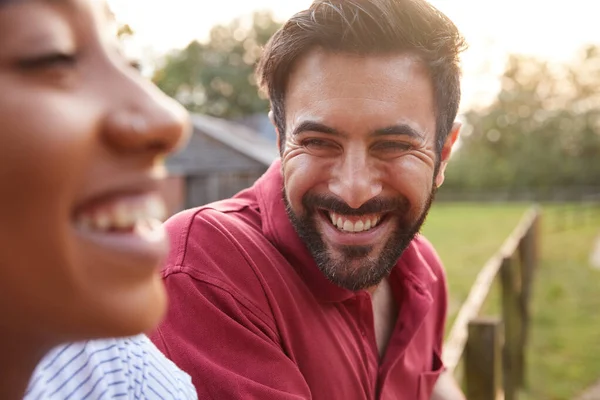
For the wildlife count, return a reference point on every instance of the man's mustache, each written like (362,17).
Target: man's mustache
(376,205)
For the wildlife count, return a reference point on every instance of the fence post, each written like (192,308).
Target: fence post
(528,255)
(525,251)
(513,328)
(483,359)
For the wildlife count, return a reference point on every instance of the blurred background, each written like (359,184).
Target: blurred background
(531,136)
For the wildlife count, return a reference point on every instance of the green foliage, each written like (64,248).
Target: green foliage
(542,131)
(124,31)
(217,77)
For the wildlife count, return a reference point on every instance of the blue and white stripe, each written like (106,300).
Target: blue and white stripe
(128,368)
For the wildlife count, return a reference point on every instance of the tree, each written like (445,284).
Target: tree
(541,132)
(217,77)
(124,31)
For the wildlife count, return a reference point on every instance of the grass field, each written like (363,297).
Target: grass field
(564,349)
(465,236)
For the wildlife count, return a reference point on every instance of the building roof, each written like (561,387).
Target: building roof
(261,123)
(239,137)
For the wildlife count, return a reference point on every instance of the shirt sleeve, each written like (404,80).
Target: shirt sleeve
(150,374)
(109,368)
(227,345)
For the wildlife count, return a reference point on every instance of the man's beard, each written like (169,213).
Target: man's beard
(366,269)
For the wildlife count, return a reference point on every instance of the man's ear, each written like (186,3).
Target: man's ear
(272,119)
(446,152)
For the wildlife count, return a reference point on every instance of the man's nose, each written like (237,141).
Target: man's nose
(355,180)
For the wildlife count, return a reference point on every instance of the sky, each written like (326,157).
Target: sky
(553,29)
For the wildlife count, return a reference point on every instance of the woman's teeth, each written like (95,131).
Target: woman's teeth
(122,214)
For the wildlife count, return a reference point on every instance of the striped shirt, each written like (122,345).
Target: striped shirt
(127,368)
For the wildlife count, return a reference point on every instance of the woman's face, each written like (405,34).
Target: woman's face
(82,137)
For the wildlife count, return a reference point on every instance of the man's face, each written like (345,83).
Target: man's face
(81,136)
(359,160)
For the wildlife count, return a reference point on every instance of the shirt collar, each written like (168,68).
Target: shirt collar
(278,229)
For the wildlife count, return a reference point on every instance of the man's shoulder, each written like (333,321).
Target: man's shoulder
(221,245)
(212,229)
(226,214)
(108,367)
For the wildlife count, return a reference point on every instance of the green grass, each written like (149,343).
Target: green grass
(564,349)
(465,236)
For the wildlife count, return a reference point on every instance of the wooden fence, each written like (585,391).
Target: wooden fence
(492,349)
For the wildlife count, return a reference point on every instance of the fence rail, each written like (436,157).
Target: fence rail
(566,216)
(532,195)
(493,349)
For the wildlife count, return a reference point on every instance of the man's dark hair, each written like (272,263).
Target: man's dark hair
(368,27)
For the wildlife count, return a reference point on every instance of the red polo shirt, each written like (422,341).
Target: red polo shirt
(252,317)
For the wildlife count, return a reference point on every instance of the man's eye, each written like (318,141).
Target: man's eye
(392,146)
(315,143)
(49,61)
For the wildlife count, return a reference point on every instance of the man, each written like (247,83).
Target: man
(314,284)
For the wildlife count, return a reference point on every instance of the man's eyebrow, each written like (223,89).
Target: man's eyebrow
(313,126)
(400,130)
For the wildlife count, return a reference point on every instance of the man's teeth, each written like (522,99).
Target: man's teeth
(364,223)
(123,214)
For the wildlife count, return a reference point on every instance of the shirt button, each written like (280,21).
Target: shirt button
(363,333)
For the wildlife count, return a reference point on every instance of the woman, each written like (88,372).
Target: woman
(80,149)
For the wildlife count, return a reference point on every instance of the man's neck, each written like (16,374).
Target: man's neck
(371,290)
(385,314)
